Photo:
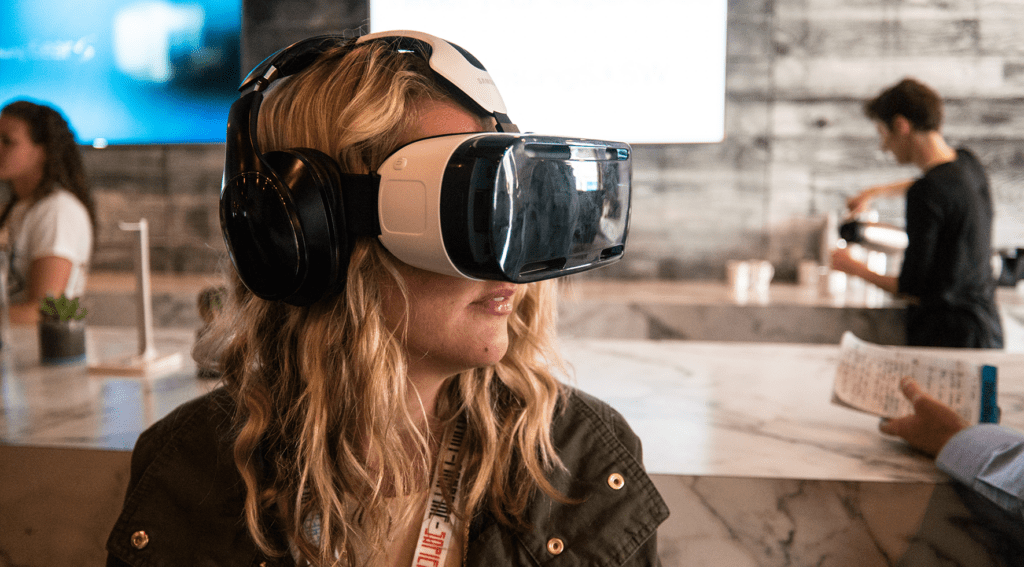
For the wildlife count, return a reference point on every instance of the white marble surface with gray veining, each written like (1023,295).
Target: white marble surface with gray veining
(710,311)
(757,410)
(701,408)
(66,406)
(757,466)
(760,469)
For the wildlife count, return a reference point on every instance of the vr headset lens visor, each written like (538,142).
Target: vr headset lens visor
(522,208)
(563,212)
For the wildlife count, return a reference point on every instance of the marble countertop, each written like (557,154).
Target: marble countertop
(160,282)
(709,311)
(700,408)
(715,292)
(855,295)
(66,406)
(758,409)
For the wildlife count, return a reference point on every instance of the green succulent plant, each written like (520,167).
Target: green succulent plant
(61,308)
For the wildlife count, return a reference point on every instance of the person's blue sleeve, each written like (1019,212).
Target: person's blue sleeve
(989,459)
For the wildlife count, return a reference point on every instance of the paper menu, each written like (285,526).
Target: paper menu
(868,376)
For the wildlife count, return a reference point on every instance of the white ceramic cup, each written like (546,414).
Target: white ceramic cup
(737,274)
(808,274)
(761,274)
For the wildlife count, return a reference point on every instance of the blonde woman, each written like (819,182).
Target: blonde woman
(331,442)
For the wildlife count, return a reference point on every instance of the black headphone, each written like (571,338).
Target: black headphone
(280,212)
(290,217)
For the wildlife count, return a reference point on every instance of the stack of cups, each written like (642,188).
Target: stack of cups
(749,278)
(816,278)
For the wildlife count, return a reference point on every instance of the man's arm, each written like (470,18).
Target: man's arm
(843,262)
(990,459)
(860,202)
(986,457)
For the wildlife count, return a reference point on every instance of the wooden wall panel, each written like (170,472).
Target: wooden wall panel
(875,9)
(1001,23)
(839,76)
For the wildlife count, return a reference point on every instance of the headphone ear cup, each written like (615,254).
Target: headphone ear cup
(285,228)
(316,192)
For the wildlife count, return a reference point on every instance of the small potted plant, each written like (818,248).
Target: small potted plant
(61,330)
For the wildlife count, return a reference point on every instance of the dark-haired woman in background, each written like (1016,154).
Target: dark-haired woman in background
(50,218)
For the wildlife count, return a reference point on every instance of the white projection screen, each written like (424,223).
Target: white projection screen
(642,72)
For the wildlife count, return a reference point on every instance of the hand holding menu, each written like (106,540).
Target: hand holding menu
(868,376)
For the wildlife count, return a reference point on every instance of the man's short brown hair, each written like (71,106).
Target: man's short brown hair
(911,99)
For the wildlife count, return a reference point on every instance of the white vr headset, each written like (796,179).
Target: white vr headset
(494,205)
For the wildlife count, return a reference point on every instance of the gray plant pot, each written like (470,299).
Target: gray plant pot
(61,342)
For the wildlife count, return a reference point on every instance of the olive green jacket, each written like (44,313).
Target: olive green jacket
(185,498)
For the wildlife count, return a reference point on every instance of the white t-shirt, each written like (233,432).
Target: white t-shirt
(56,225)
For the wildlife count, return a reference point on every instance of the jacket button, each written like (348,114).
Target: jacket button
(555,546)
(140,540)
(616,481)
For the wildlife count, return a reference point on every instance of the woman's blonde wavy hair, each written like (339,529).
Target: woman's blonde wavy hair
(321,390)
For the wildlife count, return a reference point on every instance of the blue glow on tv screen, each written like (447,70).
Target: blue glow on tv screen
(125,71)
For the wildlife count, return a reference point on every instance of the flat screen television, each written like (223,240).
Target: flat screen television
(639,72)
(125,71)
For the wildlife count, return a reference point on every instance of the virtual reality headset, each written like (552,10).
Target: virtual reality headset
(493,205)
(510,207)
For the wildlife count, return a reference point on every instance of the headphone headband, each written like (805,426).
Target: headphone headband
(457,70)
(290,60)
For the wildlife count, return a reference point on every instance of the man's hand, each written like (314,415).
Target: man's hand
(861,202)
(842,261)
(931,426)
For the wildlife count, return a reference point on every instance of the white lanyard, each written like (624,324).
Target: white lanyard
(438,527)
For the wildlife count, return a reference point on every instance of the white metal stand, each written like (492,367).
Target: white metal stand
(147,361)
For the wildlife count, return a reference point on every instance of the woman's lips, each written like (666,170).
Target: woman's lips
(498,301)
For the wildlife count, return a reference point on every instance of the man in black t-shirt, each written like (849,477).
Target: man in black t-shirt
(947,271)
